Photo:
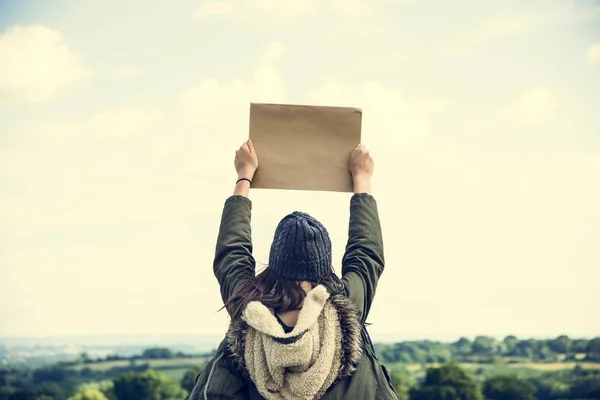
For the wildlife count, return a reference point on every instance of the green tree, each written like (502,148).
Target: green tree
(508,387)
(189,378)
(149,385)
(560,345)
(84,358)
(579,346)
(523,348)
(543,351)
(26,394)
(41,391)
(101,390)
(509,343)
(586,387)
(402,382)
(484,345)
(3,377)
(89,394)
(449,382)
(593,350)
(157,353)
(54,373)
(462,346)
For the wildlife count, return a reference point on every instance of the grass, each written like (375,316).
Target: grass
(172,363)
(174,373)
(175,368)
(502,368)
(559,366)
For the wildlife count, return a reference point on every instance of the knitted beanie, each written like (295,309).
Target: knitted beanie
(301,249)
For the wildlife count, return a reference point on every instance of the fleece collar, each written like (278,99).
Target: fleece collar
(262,319)
(258,318)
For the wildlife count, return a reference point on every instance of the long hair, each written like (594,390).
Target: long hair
(279,294)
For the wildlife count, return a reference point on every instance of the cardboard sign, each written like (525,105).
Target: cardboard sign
(303,147)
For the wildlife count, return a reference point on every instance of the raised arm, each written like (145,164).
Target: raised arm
(363,260)
(234,264)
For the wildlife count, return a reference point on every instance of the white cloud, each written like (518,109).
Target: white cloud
(128,201)
(36,65)
(520,23)
(352,8)
(593,53)
(116,184)
(120,149)
(262,9)
(253,8)
(503,27)
(432,104)
(536,106)
(216,7)
(130,73)
(389,121)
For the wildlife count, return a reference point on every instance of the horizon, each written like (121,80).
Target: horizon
(389,338)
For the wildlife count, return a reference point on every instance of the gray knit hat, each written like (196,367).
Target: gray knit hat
(301,249)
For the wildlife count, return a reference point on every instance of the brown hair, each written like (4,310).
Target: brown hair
(279,294)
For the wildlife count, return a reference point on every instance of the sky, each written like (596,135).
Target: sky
(119,120)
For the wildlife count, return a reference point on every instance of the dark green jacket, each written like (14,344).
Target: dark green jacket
(362,265)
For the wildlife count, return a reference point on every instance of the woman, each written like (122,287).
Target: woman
(297,331)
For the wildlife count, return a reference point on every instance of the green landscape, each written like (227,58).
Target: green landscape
(482,368)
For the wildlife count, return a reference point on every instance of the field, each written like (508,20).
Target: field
(154,364)
(534,366)
(523,369)
(174,368)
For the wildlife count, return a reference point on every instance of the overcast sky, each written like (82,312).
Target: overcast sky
(118,122)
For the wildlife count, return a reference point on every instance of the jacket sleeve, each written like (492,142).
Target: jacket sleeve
(234,264)
(363,260)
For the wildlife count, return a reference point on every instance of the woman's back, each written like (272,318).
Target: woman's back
(297,330)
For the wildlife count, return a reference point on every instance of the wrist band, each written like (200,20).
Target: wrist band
(243,179)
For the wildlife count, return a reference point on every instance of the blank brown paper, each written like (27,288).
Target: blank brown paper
(303,147)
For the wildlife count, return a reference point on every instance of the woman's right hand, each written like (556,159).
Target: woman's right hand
(361,167)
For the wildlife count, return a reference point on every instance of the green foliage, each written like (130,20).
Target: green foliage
(485,349)
(462,347)
(579,346)
(189,378)
(586,387)
(403,383)
(89,394)
(576,384)
(55,373)
(133,378)
(149,385)
(157,353)
(415,352)
(593,350)
(484,345)
(560,345)
(449,382)
(94,391)
(508,387)
(42,391)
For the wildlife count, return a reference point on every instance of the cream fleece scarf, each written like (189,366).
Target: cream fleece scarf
(301,364)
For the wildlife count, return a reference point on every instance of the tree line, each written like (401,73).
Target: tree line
(486,349)
(451,382)
(153,353)
(446,381)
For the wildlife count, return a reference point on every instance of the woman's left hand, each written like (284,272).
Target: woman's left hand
(246,161)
